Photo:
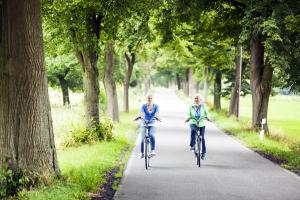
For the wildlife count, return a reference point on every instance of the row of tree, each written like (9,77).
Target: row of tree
(215,31)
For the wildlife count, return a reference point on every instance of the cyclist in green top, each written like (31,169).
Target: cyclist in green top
(197,114)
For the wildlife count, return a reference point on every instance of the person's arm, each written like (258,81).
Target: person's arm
(189,115)
(207,115)
(157,115)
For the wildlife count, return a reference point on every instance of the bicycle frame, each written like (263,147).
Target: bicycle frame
(146,143)
(198,143)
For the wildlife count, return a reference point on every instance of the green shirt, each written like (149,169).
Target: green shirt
(203,114)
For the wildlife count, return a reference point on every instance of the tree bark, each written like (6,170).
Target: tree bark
(26,132)
(65,90)
(109,83)
(217,90)
(130,64)
(236,90)
(88,59)
(260,81)
(178,81)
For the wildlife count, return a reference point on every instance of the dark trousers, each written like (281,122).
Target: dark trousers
(193,136)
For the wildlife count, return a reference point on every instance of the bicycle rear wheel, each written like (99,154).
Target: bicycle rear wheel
(199,151)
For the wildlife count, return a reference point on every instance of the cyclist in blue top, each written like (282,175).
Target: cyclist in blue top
(149,111)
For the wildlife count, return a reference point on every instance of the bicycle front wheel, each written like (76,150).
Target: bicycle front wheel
(146,154)
(199,151)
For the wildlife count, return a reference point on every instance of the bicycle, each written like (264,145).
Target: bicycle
(147,149)
(198,142)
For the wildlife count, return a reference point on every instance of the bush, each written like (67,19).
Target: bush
(106,129)
(80,135)
(11,181)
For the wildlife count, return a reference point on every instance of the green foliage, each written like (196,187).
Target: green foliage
(79,134)
(230,81)
(84,168)
(64,69)
(102,98)
(12,181)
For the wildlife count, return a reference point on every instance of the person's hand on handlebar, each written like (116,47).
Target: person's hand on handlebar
(137,118)
(208,119)
(158,119)
(187,120)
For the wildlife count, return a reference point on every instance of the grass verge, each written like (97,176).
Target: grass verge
(280,152)
(84,168)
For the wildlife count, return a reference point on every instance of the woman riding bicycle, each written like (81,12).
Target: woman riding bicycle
(149,112)
(197,113)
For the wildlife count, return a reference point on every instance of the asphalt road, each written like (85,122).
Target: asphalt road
(231,171)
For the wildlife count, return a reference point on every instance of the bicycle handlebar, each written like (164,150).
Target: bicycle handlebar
(146,122)
(197,120)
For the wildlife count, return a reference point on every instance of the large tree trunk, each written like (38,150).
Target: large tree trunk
(260,81)
(88,59)
(109,83)
(26,132)
(130,64)
(217,90)
(65,90)
(206,84)
(178,81)
(236,90)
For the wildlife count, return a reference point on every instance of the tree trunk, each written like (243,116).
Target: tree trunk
(186,83)
(109,83)
(26,132)
(206,85)
(236,90)
(130,63)
(88,59)
(260,81)
(190,82)
(217,90)
(65,90)
(178,81)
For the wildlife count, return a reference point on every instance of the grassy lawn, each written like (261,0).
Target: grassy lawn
(283,116)
(284,153)
(84,168)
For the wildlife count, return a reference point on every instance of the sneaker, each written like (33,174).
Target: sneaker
(141,155)
(152,153)
(192,148)
(203,157)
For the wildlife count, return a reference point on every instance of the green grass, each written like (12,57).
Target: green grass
(283,115)
(83,168)
(283,151)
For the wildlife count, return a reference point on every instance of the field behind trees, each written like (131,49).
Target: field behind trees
(283,115)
